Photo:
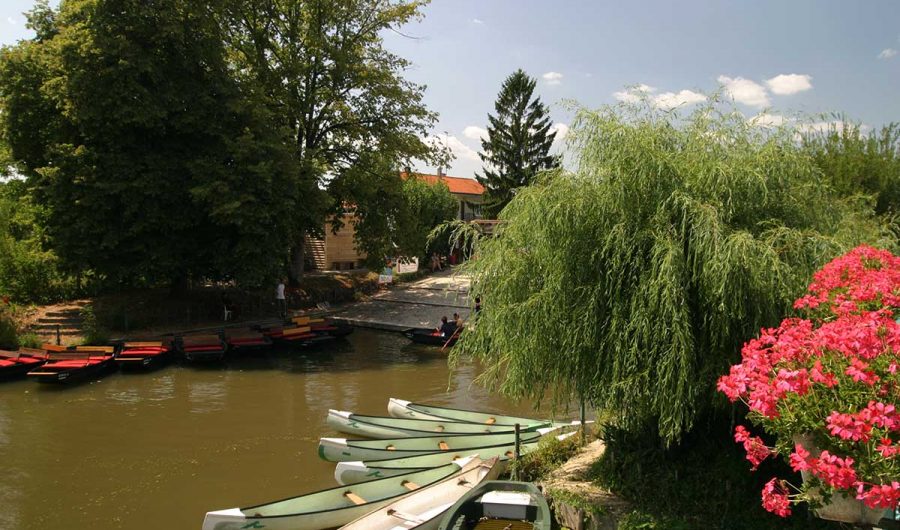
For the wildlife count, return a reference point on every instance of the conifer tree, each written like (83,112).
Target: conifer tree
(518,143)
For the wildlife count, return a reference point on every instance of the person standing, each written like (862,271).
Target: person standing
(280,300)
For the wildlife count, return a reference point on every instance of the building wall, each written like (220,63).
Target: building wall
(340,248)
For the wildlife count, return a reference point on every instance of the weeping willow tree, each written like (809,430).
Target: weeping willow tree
(632,281)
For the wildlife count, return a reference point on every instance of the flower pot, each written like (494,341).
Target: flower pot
(842,508)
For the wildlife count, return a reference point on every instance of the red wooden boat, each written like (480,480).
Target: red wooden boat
(145,355)
(203,348)
(245,339)
(19,363)
(68,365)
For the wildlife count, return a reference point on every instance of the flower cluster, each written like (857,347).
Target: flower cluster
(831,378)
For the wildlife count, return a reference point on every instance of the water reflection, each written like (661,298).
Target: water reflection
(132,451)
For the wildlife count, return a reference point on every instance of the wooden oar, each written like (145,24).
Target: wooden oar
(455,335)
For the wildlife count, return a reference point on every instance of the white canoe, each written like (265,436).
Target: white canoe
(362,471)
(331,507)
(400,408)
(390,427)
(342,449)
(423,509)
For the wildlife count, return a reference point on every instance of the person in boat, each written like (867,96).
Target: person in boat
(457,321)
(447,329)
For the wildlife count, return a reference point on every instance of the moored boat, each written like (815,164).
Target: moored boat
(20,362)
(202,348)
(390,427)
(429,337)
(423,509)
(331,507)
(246,339)
(341,449)
(501,504)
(145,355)
(400,408)
(361,471)
(69,365)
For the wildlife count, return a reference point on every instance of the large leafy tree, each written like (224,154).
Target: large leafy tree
(325,72)
(154,163)
(518,142)
(638,276)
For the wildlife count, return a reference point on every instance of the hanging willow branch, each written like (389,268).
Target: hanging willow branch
(635,279)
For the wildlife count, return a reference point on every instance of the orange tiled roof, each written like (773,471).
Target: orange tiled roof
(456,184)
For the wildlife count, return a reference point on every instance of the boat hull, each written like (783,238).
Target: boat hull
(428,337)
(425,508)
(390,427)
(343,450)
(48,375)
(327,508)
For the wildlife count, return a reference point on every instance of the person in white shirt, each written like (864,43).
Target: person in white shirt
(280,300)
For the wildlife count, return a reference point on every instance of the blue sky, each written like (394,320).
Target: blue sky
(806,56)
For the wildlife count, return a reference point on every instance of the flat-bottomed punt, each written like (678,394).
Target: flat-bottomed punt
(69,365)
(18,363)
(390,427)
(331,507)
(423,509)
(202,348)
(499,504)
(342,450)
(246,340)
(145,355)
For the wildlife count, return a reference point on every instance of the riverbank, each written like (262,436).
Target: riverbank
(355,298)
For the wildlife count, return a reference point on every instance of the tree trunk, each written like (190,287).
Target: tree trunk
(297,260)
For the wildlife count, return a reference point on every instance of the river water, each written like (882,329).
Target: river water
(160,449)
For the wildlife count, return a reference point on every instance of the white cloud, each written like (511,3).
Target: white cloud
(887,53)
(665,100)
(11,20)
(561,129)
(633,94)
(473,132)
(745,91)
(461,150)
(477,21)
(553,78)
(787,84)
(670,100)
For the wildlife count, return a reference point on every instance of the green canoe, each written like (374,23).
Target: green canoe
(342,449)
(331,507)
(389,427)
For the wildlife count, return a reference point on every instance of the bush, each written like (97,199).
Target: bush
(92,331)
(702,483)
(8,335)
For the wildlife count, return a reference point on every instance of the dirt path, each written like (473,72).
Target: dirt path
(45,321)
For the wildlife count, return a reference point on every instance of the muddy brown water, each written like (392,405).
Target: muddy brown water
(160,449)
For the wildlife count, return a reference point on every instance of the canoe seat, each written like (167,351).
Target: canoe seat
(443,445)
(411,486)
(405,516)
(354,498)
